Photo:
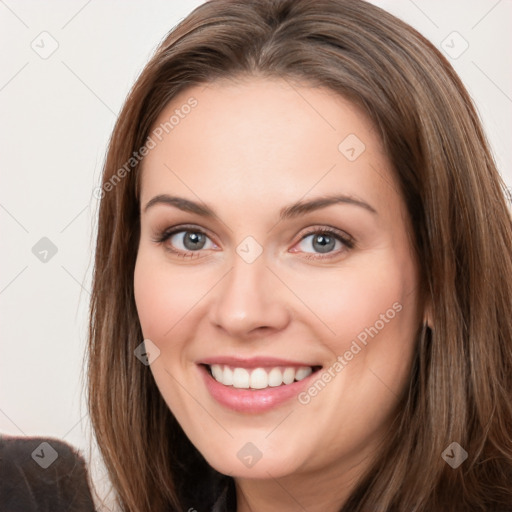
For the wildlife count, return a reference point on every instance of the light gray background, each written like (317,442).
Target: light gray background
(56,116)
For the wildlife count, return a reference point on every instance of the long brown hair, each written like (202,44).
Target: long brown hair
(461,380)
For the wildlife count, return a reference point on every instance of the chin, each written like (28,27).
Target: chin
(249,462)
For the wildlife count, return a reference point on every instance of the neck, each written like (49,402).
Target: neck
(325,490)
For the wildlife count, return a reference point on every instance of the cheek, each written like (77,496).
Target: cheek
(372,315)
(369,313)
(356,297)
(163,301)
(155,306)
(163,296)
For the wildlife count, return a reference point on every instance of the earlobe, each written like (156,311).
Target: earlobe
(428,319)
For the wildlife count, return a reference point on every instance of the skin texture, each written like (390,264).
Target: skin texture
(248,149)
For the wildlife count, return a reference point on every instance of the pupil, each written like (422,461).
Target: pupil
(194,241)
(323,243)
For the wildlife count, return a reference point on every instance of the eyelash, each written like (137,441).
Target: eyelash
(344,238)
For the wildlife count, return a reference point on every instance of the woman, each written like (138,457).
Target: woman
(301,218)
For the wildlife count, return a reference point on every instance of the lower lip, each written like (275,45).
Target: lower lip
(252,400)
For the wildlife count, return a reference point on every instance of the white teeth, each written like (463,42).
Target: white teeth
(288,375)
(275,377)
(240,378)
(258,378)
(227,377)
(217,372)
(302,373)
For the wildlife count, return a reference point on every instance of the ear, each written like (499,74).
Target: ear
(428,317)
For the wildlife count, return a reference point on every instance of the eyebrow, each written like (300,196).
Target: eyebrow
(288,212)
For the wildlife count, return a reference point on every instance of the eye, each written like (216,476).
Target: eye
(324,241)
(318,242)
(190,241)
(183,242)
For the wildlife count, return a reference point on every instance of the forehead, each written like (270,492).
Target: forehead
(271,139)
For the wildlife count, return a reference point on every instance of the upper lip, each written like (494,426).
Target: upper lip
(254,362)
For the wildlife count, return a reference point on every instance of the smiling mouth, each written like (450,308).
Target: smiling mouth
(260,377)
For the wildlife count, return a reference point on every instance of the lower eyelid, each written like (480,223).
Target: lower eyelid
(323,256)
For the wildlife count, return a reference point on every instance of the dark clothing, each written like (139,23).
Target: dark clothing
(226,502)
(209,491)
(48,475)
(42,475)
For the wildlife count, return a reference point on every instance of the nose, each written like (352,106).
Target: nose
(247,303)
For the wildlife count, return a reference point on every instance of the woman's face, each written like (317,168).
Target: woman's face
(274,253)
